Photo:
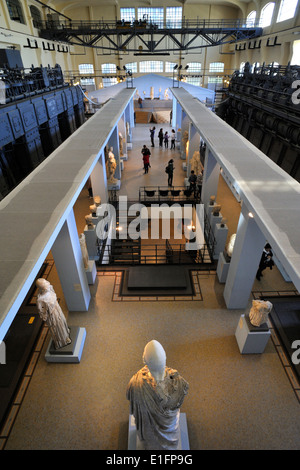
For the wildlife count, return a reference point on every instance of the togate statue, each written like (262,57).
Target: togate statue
(196,164)
(184,141)
(230,245)
(84,251)
(156,393)
(121,144)
(111,166)
(259,312)
(50,311)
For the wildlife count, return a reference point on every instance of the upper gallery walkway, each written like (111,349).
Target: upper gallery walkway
(32,215)
(268,192)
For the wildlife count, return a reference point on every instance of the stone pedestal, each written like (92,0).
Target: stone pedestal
(215,219)
(72,352)
(91,242)
(184,166)
(251,339)
(220,234)
(91,272)
(135,444)
(222,268)
(125,156)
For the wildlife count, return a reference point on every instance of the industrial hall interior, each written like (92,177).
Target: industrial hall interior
(150,234)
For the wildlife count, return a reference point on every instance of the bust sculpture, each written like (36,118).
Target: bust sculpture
(259,312)
(89,222)
(216,209)
(93,209)
(50,311)
(85,255)
(97,200)
(111,166)
(156,393)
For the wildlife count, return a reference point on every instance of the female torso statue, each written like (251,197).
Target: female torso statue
(156,393)
(259,312)
(111,166)
(52,314)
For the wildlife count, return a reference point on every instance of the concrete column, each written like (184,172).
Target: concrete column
(70,267)
(194,145)
(99,179)
(244,262)
(211,175)
(114,143)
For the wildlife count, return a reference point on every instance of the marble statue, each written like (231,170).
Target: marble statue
(93,209)
(196,164)
(97,201)
(212,200)
(50,311)
(184,141)
(152,93)
(156,393)
(259,312)
(230,245)
(89,222)
(216,209)
(223,222)
(121,144)
(166,94)
(111,166)
(84,251)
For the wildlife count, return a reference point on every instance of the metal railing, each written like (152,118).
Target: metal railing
(168,194)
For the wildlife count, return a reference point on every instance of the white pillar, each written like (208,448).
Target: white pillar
(244,262)
(194,145)
(211,175)
(70,267)
(99,179)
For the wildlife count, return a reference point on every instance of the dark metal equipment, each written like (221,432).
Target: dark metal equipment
(38,111)
(143,36)
(263,104)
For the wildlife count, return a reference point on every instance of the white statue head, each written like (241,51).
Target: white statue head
(155,358)
(43,284)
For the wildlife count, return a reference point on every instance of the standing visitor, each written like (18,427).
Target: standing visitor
(173,139)
(161,137)
(166,139)
(146,158)
(152,132)
(169,170)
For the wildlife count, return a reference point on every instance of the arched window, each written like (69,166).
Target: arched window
(132,66)
(151,66)
(266,15)
(216,67)
(15,11)
(36,16)
(194,67)
(287,10)
(109,68)
(86,69)
(251,19)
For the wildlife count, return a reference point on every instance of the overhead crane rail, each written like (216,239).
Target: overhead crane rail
(119,34)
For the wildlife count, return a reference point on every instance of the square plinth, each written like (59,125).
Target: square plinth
(134,442)
(251,339)
(72,352)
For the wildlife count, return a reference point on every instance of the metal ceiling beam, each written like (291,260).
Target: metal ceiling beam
(119,36)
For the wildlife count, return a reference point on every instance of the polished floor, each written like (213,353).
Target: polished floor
(234,402)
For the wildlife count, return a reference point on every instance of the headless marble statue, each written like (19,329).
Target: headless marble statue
(156,393)
(84,251)
(111,166)
(50,311)
(259,312)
